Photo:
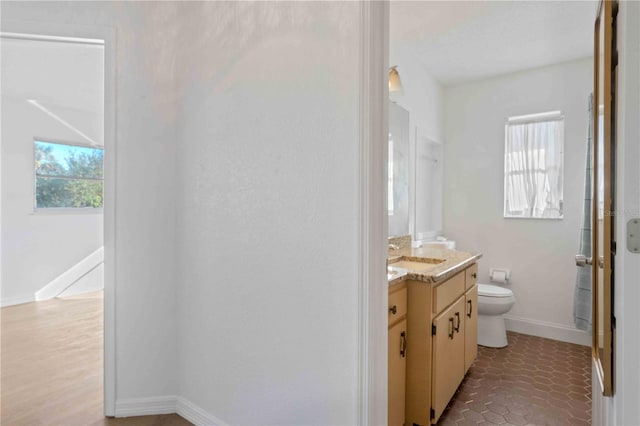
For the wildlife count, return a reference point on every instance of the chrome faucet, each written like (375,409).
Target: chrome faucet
(393,247)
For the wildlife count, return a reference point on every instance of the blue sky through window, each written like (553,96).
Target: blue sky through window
(61,152)
(55,159)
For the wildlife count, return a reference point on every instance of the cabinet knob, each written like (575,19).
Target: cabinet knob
(474,275)
(403,344)
(393,309)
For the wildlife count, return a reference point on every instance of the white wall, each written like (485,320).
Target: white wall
(423,95)
(539,253)
(237,201)
(38,247)
(268,219)
(145,332)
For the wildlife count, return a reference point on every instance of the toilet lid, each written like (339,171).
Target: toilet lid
(489,290)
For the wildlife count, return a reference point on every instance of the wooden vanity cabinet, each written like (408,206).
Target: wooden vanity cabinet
(442,323)
(470,327)
(471,276)
(448,355)
(397,353)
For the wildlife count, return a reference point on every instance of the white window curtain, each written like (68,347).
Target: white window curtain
(533,168)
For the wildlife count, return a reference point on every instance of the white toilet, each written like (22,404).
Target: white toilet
(493,301)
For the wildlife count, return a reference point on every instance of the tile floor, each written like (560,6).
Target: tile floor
(533,381)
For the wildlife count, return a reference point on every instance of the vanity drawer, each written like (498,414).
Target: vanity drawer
(446,293)
(397,305)
(471,276)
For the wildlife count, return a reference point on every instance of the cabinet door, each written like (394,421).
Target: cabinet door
(470,327)
(397,369)
(448,356)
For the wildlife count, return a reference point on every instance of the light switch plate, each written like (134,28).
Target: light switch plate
(633,235)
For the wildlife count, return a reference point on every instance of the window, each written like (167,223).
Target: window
(533,166)
(68,176)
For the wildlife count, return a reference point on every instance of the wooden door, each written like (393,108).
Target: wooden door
(397,369)
(470,327)
(603,205)
(447,356)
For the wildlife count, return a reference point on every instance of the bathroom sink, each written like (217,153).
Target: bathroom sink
(418,266)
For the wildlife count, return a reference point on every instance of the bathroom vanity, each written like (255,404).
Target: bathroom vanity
(432,330)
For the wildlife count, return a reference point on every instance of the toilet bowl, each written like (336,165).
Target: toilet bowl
(493,301)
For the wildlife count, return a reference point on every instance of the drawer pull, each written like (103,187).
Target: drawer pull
(452,329)
(474,275)
(403,344)
(393,310)
(470,303)
(458,324)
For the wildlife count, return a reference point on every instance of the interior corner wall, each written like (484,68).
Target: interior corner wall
(146,147)
(38,247)
(268,225)
(539,253)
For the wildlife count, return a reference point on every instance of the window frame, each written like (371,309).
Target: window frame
(63,210)
(543,117)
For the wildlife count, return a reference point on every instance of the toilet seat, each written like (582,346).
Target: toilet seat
(488,290)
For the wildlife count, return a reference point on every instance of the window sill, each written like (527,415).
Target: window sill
(533,218)
(67,211)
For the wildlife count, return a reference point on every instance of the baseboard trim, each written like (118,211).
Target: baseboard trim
(195,414)
(166,405)
(10,301)
(548,330)
(145,406)
(71,276)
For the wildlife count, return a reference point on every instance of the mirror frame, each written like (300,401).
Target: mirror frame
(603,362)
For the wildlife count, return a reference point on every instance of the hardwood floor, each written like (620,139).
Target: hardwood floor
(51,365)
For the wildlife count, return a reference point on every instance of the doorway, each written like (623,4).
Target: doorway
(57,255)
(467,88)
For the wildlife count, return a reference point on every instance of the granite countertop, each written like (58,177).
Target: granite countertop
(454,262)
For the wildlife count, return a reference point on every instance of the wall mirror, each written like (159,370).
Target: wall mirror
(398,184)
(602,260)
(428,175)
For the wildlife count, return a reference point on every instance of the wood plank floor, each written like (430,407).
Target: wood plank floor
(51,365)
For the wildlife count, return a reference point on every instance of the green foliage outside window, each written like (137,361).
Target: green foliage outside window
(68,176)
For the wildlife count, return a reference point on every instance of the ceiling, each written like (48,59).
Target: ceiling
(459,41)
